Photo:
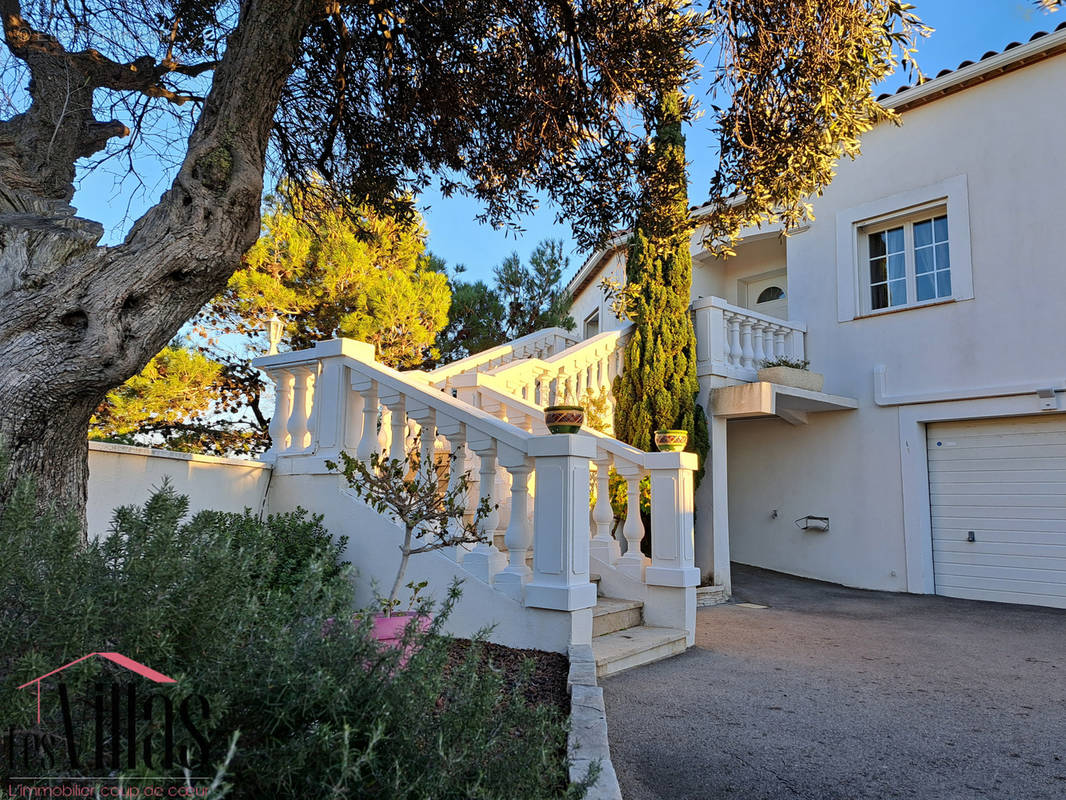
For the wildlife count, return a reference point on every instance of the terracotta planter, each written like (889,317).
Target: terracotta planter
(790,376)
(671,441)
(564,419)
(389,631)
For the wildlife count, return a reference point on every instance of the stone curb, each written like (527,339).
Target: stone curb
(587,742)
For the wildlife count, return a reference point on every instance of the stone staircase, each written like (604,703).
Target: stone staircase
(621,640)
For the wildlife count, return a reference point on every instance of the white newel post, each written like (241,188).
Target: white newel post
(279,434)
(330,413)
(519,535)
(561,512)
(672,576)
(632,561)
(485,560)
(603,545)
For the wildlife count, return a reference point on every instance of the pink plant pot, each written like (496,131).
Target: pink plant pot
(389,631)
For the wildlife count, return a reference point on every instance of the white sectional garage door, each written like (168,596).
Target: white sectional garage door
(1004,480)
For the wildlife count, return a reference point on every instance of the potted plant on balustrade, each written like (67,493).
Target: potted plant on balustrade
(565,417)
(433,516)
(792,372)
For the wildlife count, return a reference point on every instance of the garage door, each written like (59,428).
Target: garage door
(1003,484)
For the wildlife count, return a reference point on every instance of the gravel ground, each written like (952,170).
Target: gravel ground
(840,694)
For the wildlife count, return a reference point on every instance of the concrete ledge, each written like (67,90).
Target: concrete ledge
(135,450)
(587,742)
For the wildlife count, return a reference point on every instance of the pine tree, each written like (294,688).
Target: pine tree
(658,385)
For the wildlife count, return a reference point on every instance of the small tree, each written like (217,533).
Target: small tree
(409,492)
(658,385)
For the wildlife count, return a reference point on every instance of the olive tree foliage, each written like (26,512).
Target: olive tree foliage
(498,100)
(792,94)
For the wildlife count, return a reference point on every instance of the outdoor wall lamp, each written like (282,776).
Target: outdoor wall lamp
(812,523)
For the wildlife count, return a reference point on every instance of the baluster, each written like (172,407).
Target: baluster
(398,425)
(757,344)
(303,388)
(385,430)
(485,560)
(518,537)
(426,419)
(735,353)
(279,434)
(779,341)
(502,489)
(353,418)
(632,561)
(747,354)
(768,341)
(603,546)
(454,433)
(368,440)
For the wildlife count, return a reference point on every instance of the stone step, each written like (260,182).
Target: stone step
(633,647)
(614,614)
(710,596)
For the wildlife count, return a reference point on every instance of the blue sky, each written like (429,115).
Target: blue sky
(965,29)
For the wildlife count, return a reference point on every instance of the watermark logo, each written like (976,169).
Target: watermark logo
(113,729)
(118,658)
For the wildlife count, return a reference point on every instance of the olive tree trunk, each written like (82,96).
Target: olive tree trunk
(77,319)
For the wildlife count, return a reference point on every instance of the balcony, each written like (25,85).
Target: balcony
(732,342)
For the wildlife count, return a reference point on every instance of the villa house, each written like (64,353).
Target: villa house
(928,290)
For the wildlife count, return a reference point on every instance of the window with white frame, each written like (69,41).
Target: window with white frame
(905,250)
(906,261)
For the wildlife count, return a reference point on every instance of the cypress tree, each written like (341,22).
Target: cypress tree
(658,386)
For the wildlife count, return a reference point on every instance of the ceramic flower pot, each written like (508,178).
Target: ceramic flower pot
(564,419)
(670,441)
(389,631)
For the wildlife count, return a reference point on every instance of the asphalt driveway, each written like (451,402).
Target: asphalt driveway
(838,693)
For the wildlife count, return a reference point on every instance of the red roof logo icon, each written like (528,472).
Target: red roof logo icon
(118,658)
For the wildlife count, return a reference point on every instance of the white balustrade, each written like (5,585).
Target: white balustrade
(537,345)
(337,396)
(733,342)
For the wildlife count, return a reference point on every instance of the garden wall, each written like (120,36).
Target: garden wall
(122,475)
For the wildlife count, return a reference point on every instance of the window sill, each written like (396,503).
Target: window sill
(940,301)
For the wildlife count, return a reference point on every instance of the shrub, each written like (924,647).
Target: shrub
(321,711)
(785,361)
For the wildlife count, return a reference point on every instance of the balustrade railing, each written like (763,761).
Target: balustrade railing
(539,344)
(587,367)
(671,477)
(337,397)
(733,342)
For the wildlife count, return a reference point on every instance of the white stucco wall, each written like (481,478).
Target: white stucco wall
(847,465)
(591,297)
(374,548)
(713,277)
(120,475)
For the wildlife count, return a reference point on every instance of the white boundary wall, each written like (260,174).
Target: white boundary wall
(121,475)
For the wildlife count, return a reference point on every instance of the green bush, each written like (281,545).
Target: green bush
(246,616)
